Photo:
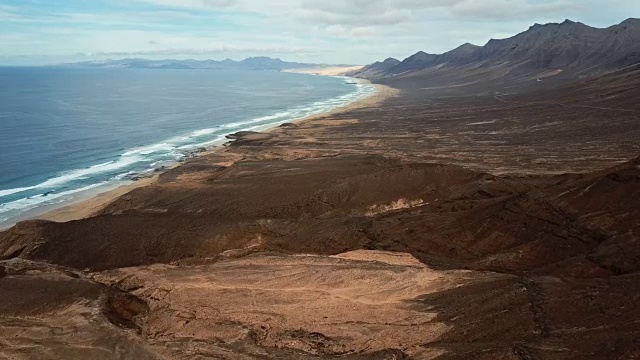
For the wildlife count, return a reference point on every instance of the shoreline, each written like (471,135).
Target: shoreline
(87,205)
(326,71)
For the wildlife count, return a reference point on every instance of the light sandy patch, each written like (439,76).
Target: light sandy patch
(335,122)
(390,258)
(326,71)
(395,205)
(86,208)
(357,301)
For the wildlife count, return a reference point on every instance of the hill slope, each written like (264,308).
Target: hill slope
(559,52)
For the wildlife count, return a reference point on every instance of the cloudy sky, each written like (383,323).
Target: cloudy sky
(327,31)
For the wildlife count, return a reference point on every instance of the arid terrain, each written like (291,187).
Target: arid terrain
(441,223)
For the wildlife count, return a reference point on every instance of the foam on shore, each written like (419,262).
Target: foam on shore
(142,161)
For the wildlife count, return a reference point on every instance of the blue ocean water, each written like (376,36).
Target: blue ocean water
(66,131)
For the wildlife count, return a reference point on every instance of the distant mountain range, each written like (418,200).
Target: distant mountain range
(569,50)
(252,63)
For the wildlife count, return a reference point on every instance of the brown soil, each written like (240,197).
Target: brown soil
(468,227)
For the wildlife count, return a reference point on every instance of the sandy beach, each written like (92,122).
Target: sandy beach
(326,71)
(88,207)
(84,208)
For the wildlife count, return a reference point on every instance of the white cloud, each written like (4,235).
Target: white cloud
(8,8)
(193,4)
(352,32)
(377,12)
(389,12)
(323,17)
(507,9)
(344,31)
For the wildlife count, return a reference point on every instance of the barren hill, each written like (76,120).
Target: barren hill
(563,52)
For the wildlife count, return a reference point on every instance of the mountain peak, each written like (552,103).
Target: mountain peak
(266,58)
(459,53)
(466,47)
(567,46)
(631,21)
(566,23)
(421,55)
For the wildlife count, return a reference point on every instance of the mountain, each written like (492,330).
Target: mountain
(568,50)
(419,60)
(422,60)
(459,54)
(568,46)
(253,63)
(266,63)
(378,68)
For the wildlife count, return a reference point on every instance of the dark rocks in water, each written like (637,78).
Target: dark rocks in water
(240,134)
(288,125)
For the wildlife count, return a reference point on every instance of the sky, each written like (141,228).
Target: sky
(36,32)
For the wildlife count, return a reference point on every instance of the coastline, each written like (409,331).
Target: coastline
(87,205)
(326,71)
(372,233)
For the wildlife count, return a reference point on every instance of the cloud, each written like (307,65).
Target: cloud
(323,17)
(357,13)
(351,32)
(345,31)
(193,4)
(507,9)
(13,37)
(8,8)
(382,12)
(10,13)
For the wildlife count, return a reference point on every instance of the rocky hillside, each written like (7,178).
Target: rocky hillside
(568,51)
(378,69)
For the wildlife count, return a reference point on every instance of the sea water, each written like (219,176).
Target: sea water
(64,132)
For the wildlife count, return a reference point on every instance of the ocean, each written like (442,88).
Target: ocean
(67,132)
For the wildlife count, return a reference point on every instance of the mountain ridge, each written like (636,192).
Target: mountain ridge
(250,63)
(570,48)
